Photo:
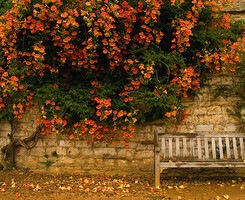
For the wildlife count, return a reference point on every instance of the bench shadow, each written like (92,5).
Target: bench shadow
(203,173)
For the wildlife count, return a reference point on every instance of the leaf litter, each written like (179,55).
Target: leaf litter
(19,185)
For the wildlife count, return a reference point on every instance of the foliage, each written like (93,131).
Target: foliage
(94,68)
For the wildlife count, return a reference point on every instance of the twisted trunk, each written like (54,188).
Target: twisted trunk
(8,151)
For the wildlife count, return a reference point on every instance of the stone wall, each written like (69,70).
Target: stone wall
(206,114)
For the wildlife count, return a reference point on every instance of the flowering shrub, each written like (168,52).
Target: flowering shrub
(95,68)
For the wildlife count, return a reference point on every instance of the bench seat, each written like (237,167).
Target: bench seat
(187,150)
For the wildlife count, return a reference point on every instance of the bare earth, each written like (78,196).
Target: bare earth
(27,185)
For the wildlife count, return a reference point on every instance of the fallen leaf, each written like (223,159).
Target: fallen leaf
(182,186)
(226,197)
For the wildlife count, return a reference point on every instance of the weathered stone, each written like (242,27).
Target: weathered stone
(50,150)
(40,143)
(109,162)
(66,143)
(159,129)
(37,151)
(54,169)
(86,152)
(73,151)
(144,154)
(214,110)
(5,128)
(51,142)
(230,128)
(126,153)
(132,145)
(81,143)
(141,146)
(243,112)
(204,119)
(219,119)
(105,152)
(3,142)
(204,127)
(122,163)
(65,160)
(218,128)
(61,151)
(200,111)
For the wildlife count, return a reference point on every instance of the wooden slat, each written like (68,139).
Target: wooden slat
(177,148)
(201,164)
(199,148)
(192,148)
(235,148)
(227,141)
(206,148)
(163,148)
(221,149)
(170,147)
(192,135)
(213,148)
(241,146)
(184,148)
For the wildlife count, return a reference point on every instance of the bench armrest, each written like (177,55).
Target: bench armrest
(156,145)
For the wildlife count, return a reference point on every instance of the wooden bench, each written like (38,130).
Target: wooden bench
(197,150)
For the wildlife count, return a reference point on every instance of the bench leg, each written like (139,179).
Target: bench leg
(157,177)
(157,170)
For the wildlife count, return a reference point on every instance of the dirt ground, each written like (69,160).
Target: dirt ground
(27,185)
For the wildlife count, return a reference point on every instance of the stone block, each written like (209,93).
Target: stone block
(105,152)
(73,151)
(214,110)
(66,143)
(200,111)
(126,153)
(21,151)
(37,151)
(51,142)
(61,151)
(132,145)
(243,112)
(182,128)
(204,119)
(159,129)
(109,162)
(86,152)
(218,128)
(150,146)
(230,128)
(50,150)
(204,128)
(54,169)
(122,163)
(65,160)
(144,154)
(143,128)
(147,163)
(3,142)
(32,162)
(141,146)
(4,128)
(216,119)
(41,143)
(81,143)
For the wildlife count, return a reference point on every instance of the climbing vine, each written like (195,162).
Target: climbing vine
(93,68)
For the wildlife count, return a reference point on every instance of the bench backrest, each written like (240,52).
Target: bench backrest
(179,147)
